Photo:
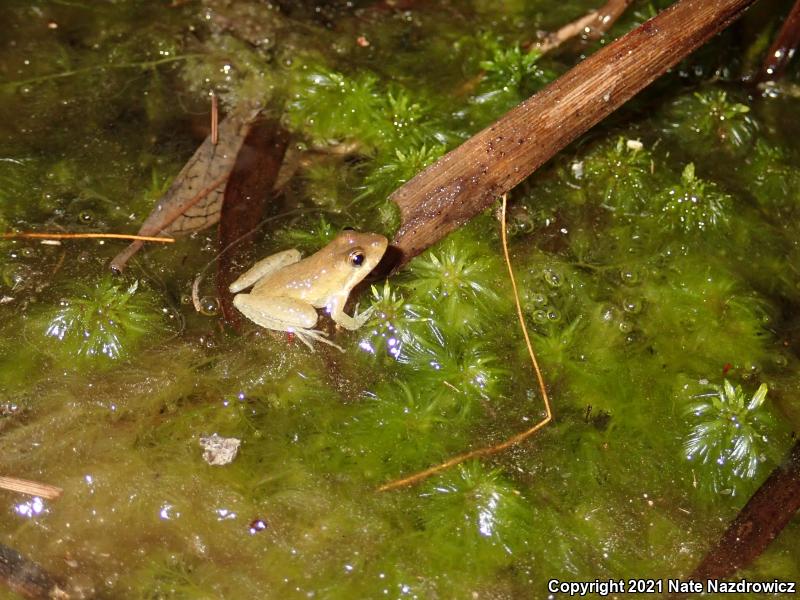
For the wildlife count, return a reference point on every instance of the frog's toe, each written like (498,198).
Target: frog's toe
(361,318)
(305,335)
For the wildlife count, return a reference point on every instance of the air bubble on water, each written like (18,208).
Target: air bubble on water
(209,306)
(632,306)
(551,277)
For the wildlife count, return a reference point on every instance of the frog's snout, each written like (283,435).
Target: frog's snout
(380,244)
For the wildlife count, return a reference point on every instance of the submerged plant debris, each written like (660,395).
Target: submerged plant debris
(657,263)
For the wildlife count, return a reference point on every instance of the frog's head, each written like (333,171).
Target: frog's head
(357,253)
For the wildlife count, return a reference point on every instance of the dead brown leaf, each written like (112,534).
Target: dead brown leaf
(194,200)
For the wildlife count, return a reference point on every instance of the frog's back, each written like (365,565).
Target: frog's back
(330,272)
(302,280)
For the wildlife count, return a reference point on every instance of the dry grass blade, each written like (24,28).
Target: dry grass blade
(783,48)
(515,439)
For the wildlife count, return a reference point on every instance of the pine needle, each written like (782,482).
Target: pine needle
(76,236)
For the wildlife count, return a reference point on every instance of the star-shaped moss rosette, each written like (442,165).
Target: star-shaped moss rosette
(621,175)
(712,118)
(459,279)
(509,74)
(730,436)
(391,325)
(694,204)
(475,516)
(99,324)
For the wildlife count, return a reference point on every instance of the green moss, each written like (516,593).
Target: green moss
(455,372)
(713,118)
(694,205)
(99,324)
(621,175)
(392,325)
(472,516)
(628,294)
(773,179)
(700,318)
(309,235)
(459,278)
(330,106)
(397,429)
(509,74)
(392,172)
(731,435)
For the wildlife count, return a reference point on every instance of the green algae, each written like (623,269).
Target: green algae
(654,256)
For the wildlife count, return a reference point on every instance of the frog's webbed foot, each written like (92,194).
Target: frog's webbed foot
(305,335)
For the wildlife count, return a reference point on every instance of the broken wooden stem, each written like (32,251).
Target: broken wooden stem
(468,179)
(593,25)
(26,578)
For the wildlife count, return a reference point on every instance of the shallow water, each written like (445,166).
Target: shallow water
(656,259)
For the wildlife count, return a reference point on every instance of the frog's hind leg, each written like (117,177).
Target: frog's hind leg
(263,268)
(283,314)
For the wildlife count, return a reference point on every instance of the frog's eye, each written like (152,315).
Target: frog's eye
(356,257)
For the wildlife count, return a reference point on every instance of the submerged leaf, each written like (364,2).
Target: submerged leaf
(194,200)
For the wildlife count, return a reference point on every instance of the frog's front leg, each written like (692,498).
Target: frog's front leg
(264,267)
(283,314)
(336,309)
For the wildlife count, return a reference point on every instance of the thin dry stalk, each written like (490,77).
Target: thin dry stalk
(783,48)
(592,25)
(516,439)
(78,236)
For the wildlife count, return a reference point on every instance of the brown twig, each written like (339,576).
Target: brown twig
(516,439)
(783,47)
(31,488)
(607,15)
(764,516)
(468,179)
(78,236)
(573,29)
(592,25)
